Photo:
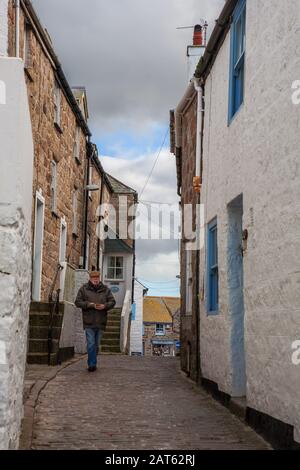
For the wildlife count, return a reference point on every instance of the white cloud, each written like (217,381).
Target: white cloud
(127,53)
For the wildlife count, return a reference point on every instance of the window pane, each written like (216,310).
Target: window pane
(111,273)
(111,261)
(119,262)
(119,273)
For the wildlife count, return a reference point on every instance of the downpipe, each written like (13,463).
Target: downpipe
(17,31)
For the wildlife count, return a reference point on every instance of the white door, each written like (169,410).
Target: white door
(38,247)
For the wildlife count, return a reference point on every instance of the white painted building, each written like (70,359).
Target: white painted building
(250,308)
(16,168)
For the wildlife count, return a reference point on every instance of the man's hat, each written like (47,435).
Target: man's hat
(94,274)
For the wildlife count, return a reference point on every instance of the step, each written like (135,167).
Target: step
(42,319)
(41,358)
(43,307)
(111,335)
(41,332)
(110,349)
(115,311)
(41,346)
(110,342)
(113,329)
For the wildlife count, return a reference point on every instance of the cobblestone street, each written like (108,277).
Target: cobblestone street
(134,403)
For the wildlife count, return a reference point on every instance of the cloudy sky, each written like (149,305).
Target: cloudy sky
(132,60)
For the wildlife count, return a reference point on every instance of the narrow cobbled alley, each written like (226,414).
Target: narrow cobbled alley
(134,403)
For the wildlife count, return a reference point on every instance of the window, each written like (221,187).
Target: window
(189,286)
(27,46)
(159,329)
(53,186)
(57,104)
(115,267)
(77,144)
(213,272)
(75,211)
(237,58)
(87,253)
(63,241)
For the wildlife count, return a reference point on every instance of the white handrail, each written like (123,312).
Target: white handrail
(125,316)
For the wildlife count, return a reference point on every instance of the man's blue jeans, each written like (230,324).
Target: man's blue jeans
(93,338)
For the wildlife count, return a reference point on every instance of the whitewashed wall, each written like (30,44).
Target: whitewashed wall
(258,155)
(16,168)
(136,330)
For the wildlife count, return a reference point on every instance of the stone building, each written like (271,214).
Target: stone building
(60,134)
(249,178)
(49,207)
(160,326)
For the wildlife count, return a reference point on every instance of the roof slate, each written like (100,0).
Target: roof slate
(119,187)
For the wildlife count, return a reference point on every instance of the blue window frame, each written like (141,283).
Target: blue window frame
(237,59)
(212,269)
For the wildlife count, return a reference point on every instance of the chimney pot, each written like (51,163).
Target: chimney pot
(198,36)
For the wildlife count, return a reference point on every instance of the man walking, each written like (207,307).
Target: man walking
(95,299)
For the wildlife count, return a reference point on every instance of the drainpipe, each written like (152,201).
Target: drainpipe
(198,89)
(197,187)
(17,32)
(86,202)
(98,241)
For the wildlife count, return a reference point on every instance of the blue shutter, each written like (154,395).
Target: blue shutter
(212,269)
(237,59)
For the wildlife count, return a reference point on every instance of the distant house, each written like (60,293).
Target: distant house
(161,326)
(119,248)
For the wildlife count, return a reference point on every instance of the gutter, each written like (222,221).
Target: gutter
(217,37)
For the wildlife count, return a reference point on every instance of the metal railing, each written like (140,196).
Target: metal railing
(125,321)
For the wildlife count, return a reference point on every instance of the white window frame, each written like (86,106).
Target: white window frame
(159,332)
(87,252)
(75,212)
(115,267)
(53,186)
(27,46)
(57,104)
(63,249)
(77,144)
(37,282)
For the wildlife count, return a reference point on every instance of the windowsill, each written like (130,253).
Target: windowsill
(29,73)
(55,214)
(58,128)
(213,314)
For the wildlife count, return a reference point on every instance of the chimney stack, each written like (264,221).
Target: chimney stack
(198,36)
(196,51)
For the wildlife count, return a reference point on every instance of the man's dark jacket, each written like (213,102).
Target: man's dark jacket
(100,294)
